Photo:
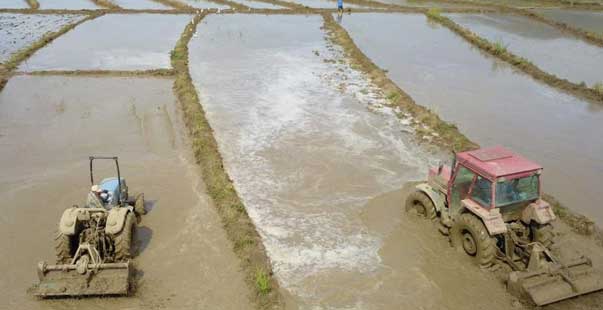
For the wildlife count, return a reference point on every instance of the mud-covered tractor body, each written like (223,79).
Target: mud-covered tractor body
(93,243)
(489,203)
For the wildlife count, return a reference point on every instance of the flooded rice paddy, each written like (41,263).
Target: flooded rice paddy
(490,102)
(434,4)
(259,4)
(591,21)
(322,4)
(322,168)
(202,4)
(144,41)
(547,47)
(68,4)
(140,4)
(14,4)
(17,31)
(48,128)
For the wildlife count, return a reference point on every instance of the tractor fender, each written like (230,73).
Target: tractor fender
(538,211)
(116,219)
(491,218)
(68,221)
(436,197)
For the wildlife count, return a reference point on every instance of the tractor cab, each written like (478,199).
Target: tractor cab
(493,178)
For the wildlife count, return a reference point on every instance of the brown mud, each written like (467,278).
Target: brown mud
(578,90)
(240,229)
(106,4)
(49,126)
(33,4)
(447,136)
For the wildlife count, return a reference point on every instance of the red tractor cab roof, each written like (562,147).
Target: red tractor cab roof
(497,161)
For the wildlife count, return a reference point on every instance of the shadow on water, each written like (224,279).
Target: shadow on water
(142,239)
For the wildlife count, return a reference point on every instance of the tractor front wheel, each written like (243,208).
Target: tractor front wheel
(64,248)
(420,203)
(543,234)
(470,234)
(123,240)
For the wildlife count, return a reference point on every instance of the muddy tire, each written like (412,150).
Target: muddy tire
(123,240)
(420,203)
(470,234)
(543,234)
(139,205)
(64,248)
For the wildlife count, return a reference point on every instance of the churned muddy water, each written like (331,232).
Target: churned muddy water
(491,103)
(18,31)
(113,42)
(48,128)
(312,152)
(434,4)
(550,49)
(140,4)
(588,20)
(322,4)
(68,4)
(14,4)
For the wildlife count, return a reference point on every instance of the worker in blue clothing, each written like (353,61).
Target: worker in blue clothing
(340,6)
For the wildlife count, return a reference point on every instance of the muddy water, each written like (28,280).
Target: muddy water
(140,4)
(588,20)
(311,151)
(202,4)
(48,128)
(412,3)
(113,42)
(259,5)
(322,4)
(14,4)
(18,31)
(67,4)
(491,103)
(548,48)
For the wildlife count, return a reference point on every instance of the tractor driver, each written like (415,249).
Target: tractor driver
(97,198)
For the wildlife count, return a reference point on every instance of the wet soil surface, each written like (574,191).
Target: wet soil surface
(144,41)
(588,20)
(202,4)
(322,4)
(68,4)
(17,31)
(140,4)
(48,128)
(319,164)
(548,48)
(14,4)
(412,3)
(490,102)
(259,5)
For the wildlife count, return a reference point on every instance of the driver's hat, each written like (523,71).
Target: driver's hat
(95,188)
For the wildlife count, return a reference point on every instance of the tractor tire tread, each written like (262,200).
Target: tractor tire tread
(123,240)
(418,197)
(486,245)
(63,248)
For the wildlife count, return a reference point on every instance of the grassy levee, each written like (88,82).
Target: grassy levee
(107,4)
(447,135)
(13,62)
(497,50)
(247,243)
(34,4)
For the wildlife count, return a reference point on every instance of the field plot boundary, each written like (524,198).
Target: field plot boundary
(247,243)
(105,73)
(6,70)
(501,52)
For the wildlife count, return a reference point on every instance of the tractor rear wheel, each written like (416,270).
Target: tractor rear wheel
(123,240)
(64,248)
(543,234)
(470,234)
(420,203)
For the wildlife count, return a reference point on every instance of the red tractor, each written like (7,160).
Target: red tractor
(489,203)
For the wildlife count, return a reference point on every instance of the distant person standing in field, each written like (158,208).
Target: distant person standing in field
(340,6)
